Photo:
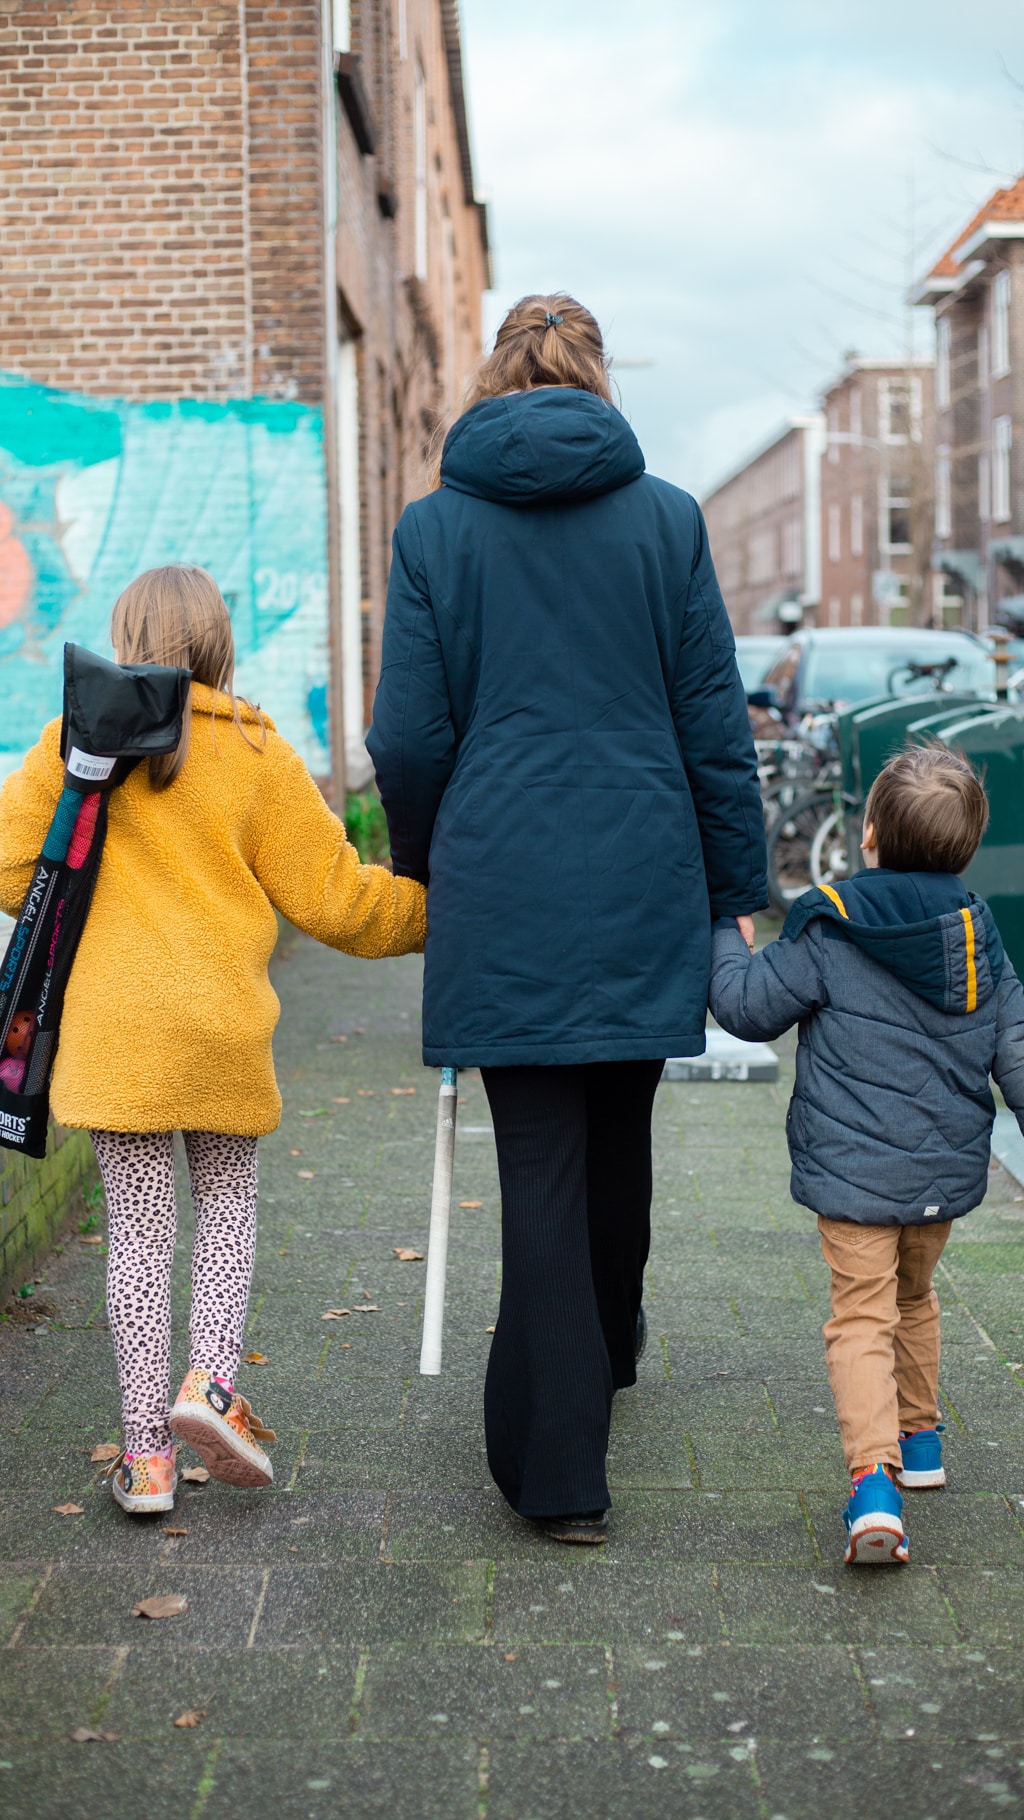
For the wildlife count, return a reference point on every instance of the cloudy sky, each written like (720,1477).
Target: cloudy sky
(737,188)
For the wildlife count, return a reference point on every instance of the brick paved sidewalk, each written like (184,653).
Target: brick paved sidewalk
(379,1636)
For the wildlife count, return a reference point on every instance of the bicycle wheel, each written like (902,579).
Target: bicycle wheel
(828,851)
(789,848)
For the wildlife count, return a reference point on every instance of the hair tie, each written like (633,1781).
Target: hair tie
(552,322)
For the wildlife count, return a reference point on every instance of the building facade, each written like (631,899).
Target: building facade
(242,273)
(764,527)
(976,293)
(876,495)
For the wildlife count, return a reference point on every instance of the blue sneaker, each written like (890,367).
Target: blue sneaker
(874,1521)
(922,1459)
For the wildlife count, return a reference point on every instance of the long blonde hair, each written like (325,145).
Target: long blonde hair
(543,341)
(177,615)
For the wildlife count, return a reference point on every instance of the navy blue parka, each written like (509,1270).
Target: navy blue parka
(561,742)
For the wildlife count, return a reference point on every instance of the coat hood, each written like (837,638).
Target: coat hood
(554,445)
(938,938)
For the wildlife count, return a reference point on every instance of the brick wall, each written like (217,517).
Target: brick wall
(36,1199)
(161,203)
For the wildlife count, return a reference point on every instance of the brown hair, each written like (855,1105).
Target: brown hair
(531,349)
(177,615)
(929,811)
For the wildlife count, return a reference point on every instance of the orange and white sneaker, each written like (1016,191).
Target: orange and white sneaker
(143,1483)
(221,1427)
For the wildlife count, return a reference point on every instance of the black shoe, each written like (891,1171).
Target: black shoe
(590,1529)
(641,1336)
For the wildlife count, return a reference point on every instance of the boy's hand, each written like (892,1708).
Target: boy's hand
(745,925)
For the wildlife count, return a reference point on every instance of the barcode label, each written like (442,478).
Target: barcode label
(93,770)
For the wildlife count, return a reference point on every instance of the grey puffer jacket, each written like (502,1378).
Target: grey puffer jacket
(906,1004)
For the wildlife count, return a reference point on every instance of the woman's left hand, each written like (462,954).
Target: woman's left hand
(745,925)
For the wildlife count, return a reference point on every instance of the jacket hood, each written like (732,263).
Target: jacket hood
(538,448)
(938,938)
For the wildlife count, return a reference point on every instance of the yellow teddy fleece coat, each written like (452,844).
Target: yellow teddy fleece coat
(169,1011)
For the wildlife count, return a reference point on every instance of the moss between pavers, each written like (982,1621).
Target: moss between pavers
(37,1198)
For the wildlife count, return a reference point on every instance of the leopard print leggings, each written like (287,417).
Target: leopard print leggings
(138,1181)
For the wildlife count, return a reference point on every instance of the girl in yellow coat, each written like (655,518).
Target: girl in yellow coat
(169,1011)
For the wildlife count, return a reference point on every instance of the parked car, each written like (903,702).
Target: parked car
(838,668)
(754,653)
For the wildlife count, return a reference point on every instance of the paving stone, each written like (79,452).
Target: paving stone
(715,1690)
(987,1604)
(833,1604)
(694,1781)
(91,1605)
(389,1781)
(944,1693)
(918,1781)
(586,1601)
(487,1691)
(382,1581)
(368,1604)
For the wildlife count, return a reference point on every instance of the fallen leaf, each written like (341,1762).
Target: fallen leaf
(511,1656)
(255,1358)
(360,1030)
(398,1091)
(306,1175)
(406,1255)
(346,1346)
(335,1314)
(339,1039)
(82,1735)
(343,1100)
(92,1238)
(471,1203)
(174,1532)
(107,1450)
(196,1475)
(366,1308)
(188,1720)
(164,1605)
(488,1329)
(68,1510)
(366,1093)
(295,1153)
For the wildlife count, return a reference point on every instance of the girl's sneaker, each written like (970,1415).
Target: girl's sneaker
(221,1427)
(143,1484)
(874,1521)
(922,1459)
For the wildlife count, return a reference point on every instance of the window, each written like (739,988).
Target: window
(984,489)
(893,410)
(983,356)
(835,609)
(761,557)
(856,525)
(1002,442)
(896,514)
(1001,324)
(834,534)
(403,30)
(342,23)
(943,495)
(792,547)
(419,130)
(856,609)
(855,423)
(942,363)
(833,432)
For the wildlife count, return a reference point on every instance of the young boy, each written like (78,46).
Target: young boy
(905,1003)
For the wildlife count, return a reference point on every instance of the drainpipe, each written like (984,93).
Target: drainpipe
(329,227)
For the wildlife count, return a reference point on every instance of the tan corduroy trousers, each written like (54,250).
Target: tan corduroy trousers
(882,1342)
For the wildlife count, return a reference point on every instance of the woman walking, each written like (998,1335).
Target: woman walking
(562,746)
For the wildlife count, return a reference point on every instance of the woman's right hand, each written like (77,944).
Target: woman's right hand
(745,925)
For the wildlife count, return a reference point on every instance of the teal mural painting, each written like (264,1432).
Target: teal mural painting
(93,491)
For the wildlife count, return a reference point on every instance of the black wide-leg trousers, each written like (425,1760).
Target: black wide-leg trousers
(574,1160)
